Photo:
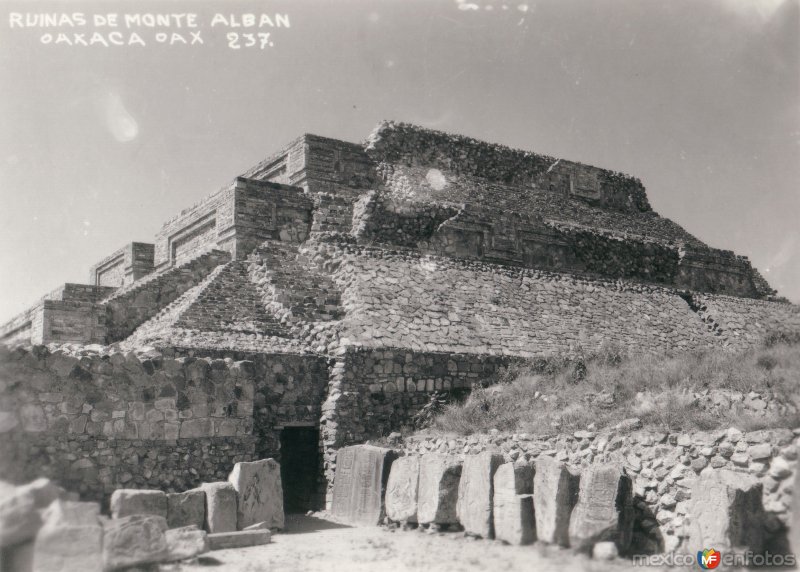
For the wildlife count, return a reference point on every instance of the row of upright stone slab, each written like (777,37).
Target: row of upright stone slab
(519,503)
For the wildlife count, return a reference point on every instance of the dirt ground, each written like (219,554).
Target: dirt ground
(311,543)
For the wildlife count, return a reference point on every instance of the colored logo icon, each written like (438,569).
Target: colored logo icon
(709,558)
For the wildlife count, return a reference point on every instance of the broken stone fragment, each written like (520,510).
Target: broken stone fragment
(19,520)
(475,492)
(127,502)
(259,493)
(186,509)
(185,542)
(604,511)
(220,507)
(71,538)
(134,540)
(726,511)
(555,493)
(238,539)
(402,489)
(439,476)
(513,504)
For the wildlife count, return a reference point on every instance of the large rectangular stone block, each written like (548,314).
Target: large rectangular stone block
(127,502)
(186,509)
(134,540)
(475,493)
(260,493)
(185,542)
(360,483)
(439,476)
(401,490)
(555,492)
(513,503)
(238,539)
(726,511)
(220,507)
(604,512)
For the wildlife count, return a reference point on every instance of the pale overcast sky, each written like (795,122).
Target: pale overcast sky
(698,98)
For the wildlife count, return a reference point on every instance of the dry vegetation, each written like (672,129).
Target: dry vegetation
(608,387)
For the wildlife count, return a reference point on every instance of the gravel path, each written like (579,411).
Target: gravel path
(312,544)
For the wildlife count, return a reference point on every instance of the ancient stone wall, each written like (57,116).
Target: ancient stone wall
(126,265)
(410,145)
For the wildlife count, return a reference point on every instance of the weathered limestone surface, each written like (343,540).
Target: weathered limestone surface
(794,530)
(402,490)
(238,539)
(727,512)
(513,503)
(259,493)
(127,502)
(71,538)
(439,476)
(555,492)
(133,540)
(220,507)
(475,492)
(360,484)
(19,520)
(185,542)
(186,509)
(604,511)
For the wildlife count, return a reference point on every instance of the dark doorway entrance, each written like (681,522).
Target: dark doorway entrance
(300,468)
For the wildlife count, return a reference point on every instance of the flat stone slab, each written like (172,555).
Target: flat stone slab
(260,493)
(604,512)
(134,540)
(127,502)
(439,476)
(402,488)
(513,504)
(186,509)
(555,493)
(359,484)
(220,507)
(727,511)
(71,538)
(238,539)
(185,542)
(475,493)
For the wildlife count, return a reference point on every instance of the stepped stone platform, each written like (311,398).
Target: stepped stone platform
(334,286)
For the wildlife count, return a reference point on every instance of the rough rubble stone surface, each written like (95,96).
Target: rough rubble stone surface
(185,542)
(360,484)
(604,511)
(186,509)
(439,476)
(402,490)
(475,490)
(259,493)
(555,493)
(134,540)
(220,507)
(127,502)
(71,538)
(513,503)
(727,511)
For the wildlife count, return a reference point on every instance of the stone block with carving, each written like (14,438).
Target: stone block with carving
(360,483)
(185,542)
(726,511)
(259,493)
(555,492)
(127,502)
(439,476)
(402,490)
(604,512)
(513,504)
(475,492)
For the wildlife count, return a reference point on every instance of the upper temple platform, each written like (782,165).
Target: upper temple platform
(405,189)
